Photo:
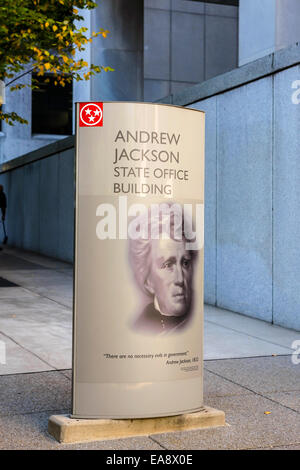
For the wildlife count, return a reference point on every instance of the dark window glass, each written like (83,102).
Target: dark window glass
(51,107)
(234,3)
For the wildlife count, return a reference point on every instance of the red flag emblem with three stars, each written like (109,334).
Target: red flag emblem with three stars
(90,114)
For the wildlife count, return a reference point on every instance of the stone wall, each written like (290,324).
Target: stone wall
(40,193)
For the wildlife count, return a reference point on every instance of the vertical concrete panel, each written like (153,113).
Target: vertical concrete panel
(15,225)
(66,181)
(49,201)
(31,204)
(244,199)
(210,248)
(157,44)
(221,45)
(124,83)
(286,201)
(156,89)
(187,47)
(5,181)
(2,137)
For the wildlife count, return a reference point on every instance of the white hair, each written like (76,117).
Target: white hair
(166,221)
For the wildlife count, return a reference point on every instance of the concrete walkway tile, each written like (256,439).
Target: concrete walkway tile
(261,374)
(215,386)
(289,399)
(43,278)
(26,431)
(250,326)
(26,301)
(15,293)
(62,294)
(45,330)
(36,278)
(223,343)
(18,360)
(249,427)
(30,432)
(27,393)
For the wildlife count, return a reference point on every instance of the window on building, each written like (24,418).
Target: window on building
(51,107)
(187,42)
(234,3)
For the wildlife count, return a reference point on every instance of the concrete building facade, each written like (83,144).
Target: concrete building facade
(266,26)
(252,199)
(156,48)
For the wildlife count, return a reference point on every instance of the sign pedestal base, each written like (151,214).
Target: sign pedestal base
(69,430)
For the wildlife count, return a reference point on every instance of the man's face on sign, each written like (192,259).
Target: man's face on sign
(170,277)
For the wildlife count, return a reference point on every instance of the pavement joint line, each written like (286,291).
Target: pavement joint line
(234,394)
(274,445)
(28,350)
(10,252)
(62,271)
(33,372)
(243,315)
(65,375)
(245,357)
(14,255)
(55,301)
(156,442)
(59,270)
(37,294)
(258,393)
(61,372)
(251,336)
(63,411)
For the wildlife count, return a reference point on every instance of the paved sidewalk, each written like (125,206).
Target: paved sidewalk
(248,368)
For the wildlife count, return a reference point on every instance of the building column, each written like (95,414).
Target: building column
(122,50)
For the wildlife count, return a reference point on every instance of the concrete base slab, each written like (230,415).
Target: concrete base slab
(67,430)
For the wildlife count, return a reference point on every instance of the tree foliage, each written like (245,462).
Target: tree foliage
(43,36)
